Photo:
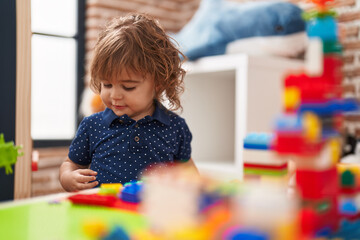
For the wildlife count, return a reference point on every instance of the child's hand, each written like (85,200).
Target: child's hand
(79,179)
(74,177)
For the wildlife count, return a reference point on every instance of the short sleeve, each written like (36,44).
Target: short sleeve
(184,139)
(79,150)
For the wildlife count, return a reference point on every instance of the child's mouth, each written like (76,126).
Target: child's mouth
(119,107)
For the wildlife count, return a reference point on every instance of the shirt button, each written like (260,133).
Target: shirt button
(136,125)
(136,139)
(121,121)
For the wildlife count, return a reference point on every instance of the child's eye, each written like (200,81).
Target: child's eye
(107,85)
(128,88)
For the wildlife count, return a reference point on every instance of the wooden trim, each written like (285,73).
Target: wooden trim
(22,182)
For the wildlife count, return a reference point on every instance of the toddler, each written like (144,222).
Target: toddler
(135,68)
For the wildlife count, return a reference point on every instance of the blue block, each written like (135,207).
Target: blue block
(118,233)
(324,28)
(131,192)
(330,107)
(259,141)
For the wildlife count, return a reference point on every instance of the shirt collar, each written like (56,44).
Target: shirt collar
(160,114)
(109,116)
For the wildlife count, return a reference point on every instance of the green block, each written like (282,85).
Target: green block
(265,172)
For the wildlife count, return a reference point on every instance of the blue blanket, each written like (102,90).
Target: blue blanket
(219,22)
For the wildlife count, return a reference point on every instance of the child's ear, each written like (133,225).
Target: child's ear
(157,90)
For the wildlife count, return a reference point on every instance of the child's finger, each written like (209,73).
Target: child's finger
(88,185)
(87,172)
(86,179)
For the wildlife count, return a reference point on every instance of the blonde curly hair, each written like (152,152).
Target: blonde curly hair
(137,42)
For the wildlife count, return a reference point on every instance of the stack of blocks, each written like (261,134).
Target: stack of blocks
(309,130)
(314,99)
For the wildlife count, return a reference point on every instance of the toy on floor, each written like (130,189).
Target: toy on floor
(8,154)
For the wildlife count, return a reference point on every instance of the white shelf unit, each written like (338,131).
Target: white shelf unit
(227,97)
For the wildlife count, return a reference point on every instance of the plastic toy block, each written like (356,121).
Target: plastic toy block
(245,234)
(285,144)
(93,199)
(348,207)
(131,192)
(265,172)
(333,72)
(291,98)
(332,47)
(319,13)
(129,206)
(102,200)
(115,186)
(110,189)
(266,166)
(94,228)
(316,218)
(208,199)
(323,232)
(330,107)
(315,185)
(117,233)
(266,169)
(326,86)
(331,125)
(321,4)
(348,179)
(349,229)
(308,224)
(321,206)
(288,123)
(324,28)
(8,154)
(259,141)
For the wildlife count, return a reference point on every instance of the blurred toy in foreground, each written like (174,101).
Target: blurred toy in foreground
(310,130)
(8,154)
(175,204)
(180,205)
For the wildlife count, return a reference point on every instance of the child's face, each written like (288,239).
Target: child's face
(131,94)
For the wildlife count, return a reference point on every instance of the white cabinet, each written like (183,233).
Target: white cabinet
(227,97)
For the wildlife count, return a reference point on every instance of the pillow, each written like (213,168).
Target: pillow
(219,22)
(290,46)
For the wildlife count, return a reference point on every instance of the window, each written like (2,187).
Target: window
(57,69)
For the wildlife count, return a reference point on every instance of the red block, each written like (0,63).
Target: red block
(285,143)
(93,199)
(315,185)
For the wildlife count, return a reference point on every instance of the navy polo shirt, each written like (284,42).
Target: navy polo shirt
(120,148)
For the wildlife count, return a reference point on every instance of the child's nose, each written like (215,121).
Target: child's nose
(117,94)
